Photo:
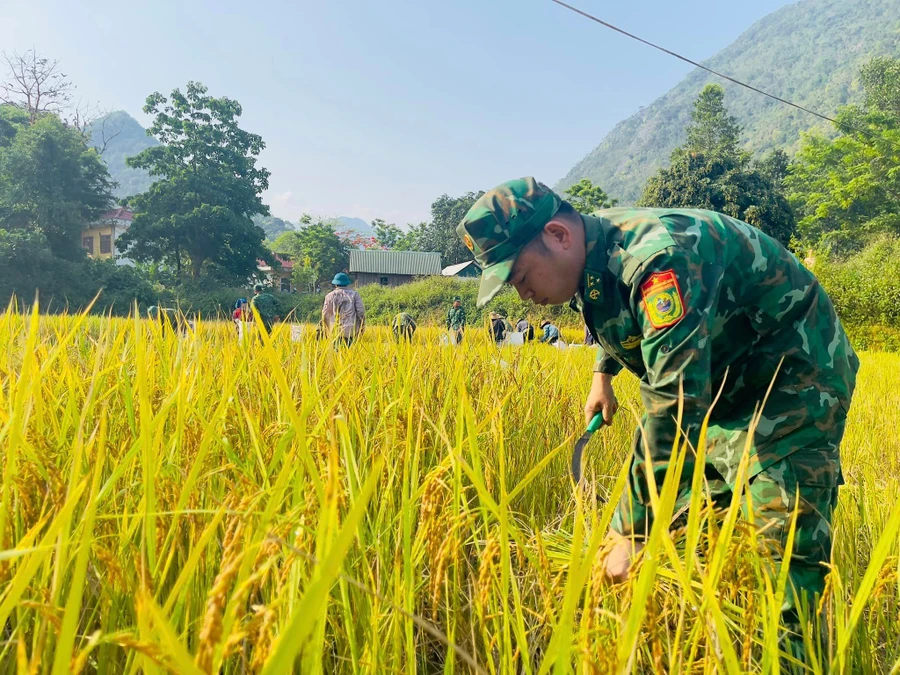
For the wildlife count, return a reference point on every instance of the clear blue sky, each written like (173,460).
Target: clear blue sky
(373,109)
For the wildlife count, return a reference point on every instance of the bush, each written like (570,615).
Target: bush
(863,287)
(874,338)
(429,299)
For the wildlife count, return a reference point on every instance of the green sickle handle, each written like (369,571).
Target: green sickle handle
(595,423)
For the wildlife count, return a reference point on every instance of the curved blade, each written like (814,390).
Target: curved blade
(576,455)
(595,423)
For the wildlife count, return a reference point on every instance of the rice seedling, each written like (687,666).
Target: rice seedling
(199,505)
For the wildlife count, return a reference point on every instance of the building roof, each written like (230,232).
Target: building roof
(286,264)
(453,270)
(412,263)
(118,214)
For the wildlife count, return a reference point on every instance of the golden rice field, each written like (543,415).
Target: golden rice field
(197,505)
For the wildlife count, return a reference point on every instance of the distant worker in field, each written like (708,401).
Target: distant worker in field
(265,305)
(241,310)
(403,326)
(589,337)
(551,333)
(524,326)
(693,300)
(497,328)
(168,318)
(240,316)
(456,320)
(343,313)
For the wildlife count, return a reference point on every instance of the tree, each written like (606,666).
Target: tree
(305,275)
(713,131)
(319,243)
(440,234)
(51,182)
(847,189)
(585,197)
(386,234)
(207,190)
(36,84)
(711,172)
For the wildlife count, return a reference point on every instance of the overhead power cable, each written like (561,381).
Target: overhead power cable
(840,125)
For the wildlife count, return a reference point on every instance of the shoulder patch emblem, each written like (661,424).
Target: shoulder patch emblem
(467,240)
(663,301)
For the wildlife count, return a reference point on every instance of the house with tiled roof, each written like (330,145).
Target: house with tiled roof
(278,277)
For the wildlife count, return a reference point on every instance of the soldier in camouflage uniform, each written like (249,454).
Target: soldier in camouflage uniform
(456,320)
(403,326)
(693,299)
(265,305)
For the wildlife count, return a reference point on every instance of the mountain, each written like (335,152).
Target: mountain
(273,226)
(356,224)
(126,138)
(809,53)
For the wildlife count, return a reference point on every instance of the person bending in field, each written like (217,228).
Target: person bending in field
(699,300)
(168,318)
(403,327)
(265,305)
(551,333)
(525,327)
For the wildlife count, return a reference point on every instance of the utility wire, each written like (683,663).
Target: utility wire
(839,125)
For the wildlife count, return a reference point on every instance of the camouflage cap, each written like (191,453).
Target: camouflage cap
(500,224)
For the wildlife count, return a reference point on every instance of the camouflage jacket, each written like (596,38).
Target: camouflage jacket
(265,304)
(402,321)
(696,299)
(456,318)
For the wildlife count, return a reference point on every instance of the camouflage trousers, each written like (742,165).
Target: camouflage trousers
(775,493)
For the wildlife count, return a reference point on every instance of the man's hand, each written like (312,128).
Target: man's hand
(622,553)
(602,398)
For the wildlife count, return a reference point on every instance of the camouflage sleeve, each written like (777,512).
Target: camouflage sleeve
(674,296)
(604,363)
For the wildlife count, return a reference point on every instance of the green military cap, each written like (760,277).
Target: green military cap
(500,224)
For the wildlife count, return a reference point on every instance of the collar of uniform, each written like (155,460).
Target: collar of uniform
(595,240)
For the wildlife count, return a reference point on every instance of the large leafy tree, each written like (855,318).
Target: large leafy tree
(711,172)
(847,189)
(317,247)
(439,234)
(585,197)
(207,186)
(50,181)
(713,131)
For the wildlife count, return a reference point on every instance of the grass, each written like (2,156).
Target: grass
(201,506)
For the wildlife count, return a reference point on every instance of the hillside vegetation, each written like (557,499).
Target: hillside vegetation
(809,52)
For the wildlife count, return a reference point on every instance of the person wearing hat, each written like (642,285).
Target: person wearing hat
(456,320)
(240,312)
(551,332)
(497,328)
(265,305)
(343,313)
(696,304)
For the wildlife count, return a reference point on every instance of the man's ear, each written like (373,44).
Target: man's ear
(559,233)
